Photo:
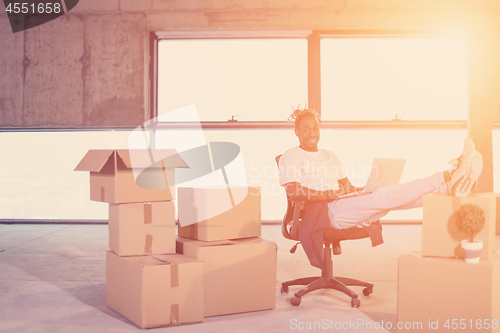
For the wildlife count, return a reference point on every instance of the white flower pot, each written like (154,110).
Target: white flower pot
(472,250)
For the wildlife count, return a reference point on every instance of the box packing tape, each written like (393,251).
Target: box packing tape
(148,244)
(174,314)
(165,176)
(148,213)
(174,275)
(148,219)
(174,283)
(193,229)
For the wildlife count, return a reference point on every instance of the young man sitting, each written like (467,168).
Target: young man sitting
(311,174)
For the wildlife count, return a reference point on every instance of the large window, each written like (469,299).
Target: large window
(384,78)
(242,79)
(37,180)
(344,77)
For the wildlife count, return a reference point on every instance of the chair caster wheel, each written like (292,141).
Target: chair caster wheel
(367,291)
(355,303)
(284,290)
(295,301)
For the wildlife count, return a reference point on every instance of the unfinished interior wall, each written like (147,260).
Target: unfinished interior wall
(85,69)
(89,67)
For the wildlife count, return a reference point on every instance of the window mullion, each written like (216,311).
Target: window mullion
(314,72)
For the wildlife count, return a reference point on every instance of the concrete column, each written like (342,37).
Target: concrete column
(11,75)
(484,71)
(53,87)
(114,70)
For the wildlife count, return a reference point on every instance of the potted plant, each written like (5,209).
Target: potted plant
(470,219)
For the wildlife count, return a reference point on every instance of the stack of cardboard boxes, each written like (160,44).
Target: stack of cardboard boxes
(436,287)
(222,228)
(219,266)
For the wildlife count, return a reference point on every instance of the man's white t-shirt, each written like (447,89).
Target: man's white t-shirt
(319,170)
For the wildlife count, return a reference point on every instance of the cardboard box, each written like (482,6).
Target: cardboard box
(440,292)
(440,237)
(154,291)
(136,175)
(142,228)
(239,276)
(219,213)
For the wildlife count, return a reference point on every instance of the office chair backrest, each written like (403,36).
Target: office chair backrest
(289,226)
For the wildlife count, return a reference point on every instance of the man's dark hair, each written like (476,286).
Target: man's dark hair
(299,113)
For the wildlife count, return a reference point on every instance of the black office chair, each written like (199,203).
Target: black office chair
(331,240)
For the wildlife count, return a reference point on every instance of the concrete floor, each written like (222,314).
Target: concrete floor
(52,279)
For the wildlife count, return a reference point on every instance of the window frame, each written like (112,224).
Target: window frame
(314,79)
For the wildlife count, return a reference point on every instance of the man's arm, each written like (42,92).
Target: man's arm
(295,192)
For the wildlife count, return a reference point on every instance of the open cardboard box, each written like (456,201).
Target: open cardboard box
(219,213)
(135,175)
(239,276)
(142,228)
(157,290)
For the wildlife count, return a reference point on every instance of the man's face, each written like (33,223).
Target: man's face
(308,133)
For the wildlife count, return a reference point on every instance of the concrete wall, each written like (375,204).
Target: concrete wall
(89,67)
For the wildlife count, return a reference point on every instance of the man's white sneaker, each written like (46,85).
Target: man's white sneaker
(466,175)
(468,148)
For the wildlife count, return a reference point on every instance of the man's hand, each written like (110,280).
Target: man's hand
(332,195)
(346,189)
(296,192)
(358,189)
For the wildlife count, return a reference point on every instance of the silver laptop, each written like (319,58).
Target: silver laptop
(384,172)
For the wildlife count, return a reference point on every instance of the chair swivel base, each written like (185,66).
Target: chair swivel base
(327,281)
(336,283)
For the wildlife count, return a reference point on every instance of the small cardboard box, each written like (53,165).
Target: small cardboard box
(219,213)
(239,276)
(157,290)
(440,237)
(142,228)
(136,175)
(443,294)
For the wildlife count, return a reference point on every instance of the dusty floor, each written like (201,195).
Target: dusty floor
(52,279)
